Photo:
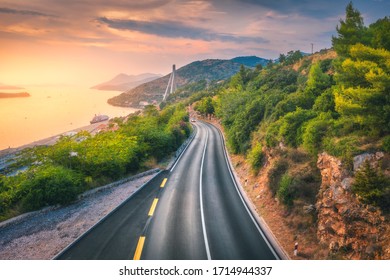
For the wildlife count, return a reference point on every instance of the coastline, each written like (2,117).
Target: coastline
(92,128)
(14,95)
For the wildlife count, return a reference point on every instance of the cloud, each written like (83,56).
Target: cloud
(172,29)
(23,12)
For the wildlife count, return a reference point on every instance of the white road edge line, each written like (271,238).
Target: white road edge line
(206,242)
(243,202)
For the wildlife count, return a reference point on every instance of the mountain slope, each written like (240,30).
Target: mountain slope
(209,70)
(251,61)
(123,82)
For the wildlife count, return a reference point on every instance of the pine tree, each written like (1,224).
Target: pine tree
(372,186)
(317,81)
(350,31)
(363,84)
(380,33)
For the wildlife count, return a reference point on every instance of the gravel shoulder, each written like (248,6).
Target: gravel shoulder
(43,235)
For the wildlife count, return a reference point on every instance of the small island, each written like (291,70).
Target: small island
(14,95)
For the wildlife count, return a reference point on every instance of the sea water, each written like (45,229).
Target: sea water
(51,110)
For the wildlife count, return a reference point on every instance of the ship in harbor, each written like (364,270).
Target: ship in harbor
(99,118)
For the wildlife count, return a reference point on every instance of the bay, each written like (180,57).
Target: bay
(52,110)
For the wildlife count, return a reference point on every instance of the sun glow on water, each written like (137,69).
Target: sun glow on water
(50,111)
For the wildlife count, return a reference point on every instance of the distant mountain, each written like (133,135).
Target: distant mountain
(251,61)
(123,82)
(209,70)
(8,87)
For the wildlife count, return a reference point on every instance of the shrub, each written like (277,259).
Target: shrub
(386,144)
(298,156)
(292,126)
(317,81)
(344,148)
(271,135)
(372,187)
(50,185)
(305,185)
(291,103)
(244,124)
(285,191)
(325,102)
(315,130)
(256,157)
(275,174)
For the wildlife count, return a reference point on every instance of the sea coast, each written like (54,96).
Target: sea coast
(14,95)
(92,128)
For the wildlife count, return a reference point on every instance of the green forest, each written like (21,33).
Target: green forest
(335,101)
(58,174)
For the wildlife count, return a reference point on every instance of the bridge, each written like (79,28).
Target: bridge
(171,87)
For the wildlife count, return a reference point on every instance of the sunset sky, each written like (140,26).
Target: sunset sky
(90,41)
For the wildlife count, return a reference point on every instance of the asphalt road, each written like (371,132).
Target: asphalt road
(193,211)
(115,238)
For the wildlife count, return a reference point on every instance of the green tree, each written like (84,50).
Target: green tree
(317,81)
(237,82)
(244,124)
(363,86)
(372,186)
(350,31)
(256,157)
(282,58)
(206,106)
(314,132)
(245,74)
(291,128)
(150,111)
(325,102)
(229,103)
(380,34)
(285,191)
(50,185)
(292,57)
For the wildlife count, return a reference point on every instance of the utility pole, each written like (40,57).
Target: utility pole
(312,47)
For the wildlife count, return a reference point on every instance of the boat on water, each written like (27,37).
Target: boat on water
(99,118)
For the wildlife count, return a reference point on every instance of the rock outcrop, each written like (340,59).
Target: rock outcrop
(349,228)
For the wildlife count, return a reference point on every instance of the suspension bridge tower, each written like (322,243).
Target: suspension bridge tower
(171,87)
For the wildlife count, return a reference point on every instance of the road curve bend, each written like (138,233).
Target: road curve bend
(193,211)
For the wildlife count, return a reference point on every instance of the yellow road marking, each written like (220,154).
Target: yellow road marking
(163,182)
(153,207)
(140,246)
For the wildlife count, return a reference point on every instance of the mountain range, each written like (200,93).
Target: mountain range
(123,82)
(209,70)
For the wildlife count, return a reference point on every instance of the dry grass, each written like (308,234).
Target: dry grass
(329,54)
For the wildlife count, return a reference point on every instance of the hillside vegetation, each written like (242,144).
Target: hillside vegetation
(58,174)
(206,71)
(335,101)
(325,102)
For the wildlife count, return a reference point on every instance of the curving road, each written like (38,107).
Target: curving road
(193,211)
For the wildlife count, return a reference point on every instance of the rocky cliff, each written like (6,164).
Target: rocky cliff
(349,228)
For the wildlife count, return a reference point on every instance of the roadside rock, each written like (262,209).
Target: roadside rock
(348,227)
(373,159)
